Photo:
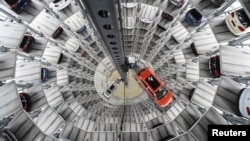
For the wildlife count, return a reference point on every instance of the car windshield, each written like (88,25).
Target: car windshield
(242,16)
(11,2)
(196,14)
(161,93)
(152,82)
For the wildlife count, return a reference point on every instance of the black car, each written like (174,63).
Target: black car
(191,93)
(194,16)
(57,33)
(18,5)
(167,16)
(214,65)
(26,101)
(82,29)
(26,43)
(177,3)
(192,46)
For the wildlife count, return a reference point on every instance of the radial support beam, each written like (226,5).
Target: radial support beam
(224,7)
(105,15)
(4,10)
(236,120)
(239,40)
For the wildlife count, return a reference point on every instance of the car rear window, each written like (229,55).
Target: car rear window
(152,82)
(161,93)
(243,18)
(197,15)
(112,87)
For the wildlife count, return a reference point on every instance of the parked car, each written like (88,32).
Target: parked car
(177,3)
(244,102)
(7,135)
(238,22)
(167,16)
(218,2)
(80,30)
(154,87)
(113,86)
(194,16)
(26,101)
(192,46)
(84,52)
(214,65)
(59,4)
(57,33)
(191,93)
(26,43)
(18,5)
(44,74)
(87,37)
(60,59)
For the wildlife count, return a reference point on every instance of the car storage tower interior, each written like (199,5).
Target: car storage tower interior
(88,54)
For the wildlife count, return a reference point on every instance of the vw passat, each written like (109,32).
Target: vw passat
(154,87)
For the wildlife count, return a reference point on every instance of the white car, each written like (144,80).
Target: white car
(238,22)
(112,87)
(59,4)
(244,102)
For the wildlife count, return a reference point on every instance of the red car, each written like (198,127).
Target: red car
(26,101)
(154,87)
(57,33)
(26,43)
(214,66)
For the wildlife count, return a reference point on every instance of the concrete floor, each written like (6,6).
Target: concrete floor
(132,90)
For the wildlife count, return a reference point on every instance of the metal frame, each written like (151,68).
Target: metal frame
(106,17)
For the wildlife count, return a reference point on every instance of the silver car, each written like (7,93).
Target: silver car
(244,102)
(112,87)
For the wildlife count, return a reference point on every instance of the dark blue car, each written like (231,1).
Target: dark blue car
(80,30)
(193,16)
(18,5)
(44,74)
